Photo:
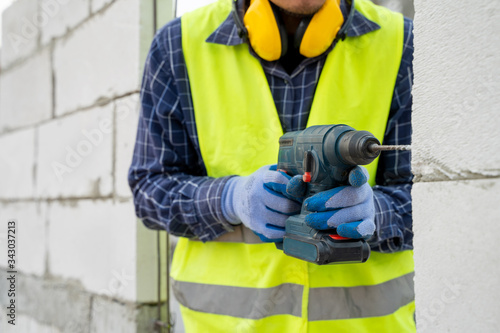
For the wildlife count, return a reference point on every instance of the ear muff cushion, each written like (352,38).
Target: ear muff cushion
(322,29)
(263,32)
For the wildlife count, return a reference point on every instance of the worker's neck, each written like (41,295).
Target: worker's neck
(292,58)
(291,21)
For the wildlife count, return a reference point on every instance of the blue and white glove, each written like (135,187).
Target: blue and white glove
(350,209)
(261,203)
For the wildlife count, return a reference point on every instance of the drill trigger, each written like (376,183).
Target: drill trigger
(337,237)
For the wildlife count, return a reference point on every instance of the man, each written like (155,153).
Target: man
(220,86)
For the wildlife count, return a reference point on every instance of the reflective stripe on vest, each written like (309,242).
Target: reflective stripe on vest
(352,302)
(362,301)
(238,128)
(240,301)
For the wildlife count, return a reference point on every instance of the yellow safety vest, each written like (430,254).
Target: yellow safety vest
(240,287)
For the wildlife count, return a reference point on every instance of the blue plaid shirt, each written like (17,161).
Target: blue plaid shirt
(168,177)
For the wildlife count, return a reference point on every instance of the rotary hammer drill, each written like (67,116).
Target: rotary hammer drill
(325,155)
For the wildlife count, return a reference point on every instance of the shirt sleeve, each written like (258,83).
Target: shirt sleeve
(168,179)
(392,194)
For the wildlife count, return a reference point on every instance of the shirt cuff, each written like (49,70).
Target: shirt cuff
(388,236)
(227,202)
(208,221)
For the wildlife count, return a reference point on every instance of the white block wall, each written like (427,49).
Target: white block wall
(456,197)
(81,164)
(94,243)
(26,325)
(33,80)
(69,83)
(69,104)
(89,69)
(20,31)
(61,16)
(32,235)
(19,164)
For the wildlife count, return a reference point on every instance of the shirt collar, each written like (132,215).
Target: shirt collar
(227,32)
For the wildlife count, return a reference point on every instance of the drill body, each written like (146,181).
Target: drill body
(324,155)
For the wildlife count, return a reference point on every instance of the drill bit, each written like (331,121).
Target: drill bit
(379,148)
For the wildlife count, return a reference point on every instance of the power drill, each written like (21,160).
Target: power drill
(325,155)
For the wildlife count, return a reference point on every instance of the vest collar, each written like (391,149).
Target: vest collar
(227,33)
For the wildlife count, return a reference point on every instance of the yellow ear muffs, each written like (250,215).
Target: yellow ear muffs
(263,32)
(267,34)
(322,29)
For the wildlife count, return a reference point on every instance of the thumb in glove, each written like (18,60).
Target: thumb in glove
(292,188)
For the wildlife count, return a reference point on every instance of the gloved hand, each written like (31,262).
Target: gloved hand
(261,203)
(350,209)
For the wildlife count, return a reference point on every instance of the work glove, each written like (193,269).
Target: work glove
(260,201)
(350,208)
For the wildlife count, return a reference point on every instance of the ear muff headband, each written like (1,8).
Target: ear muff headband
(313,35)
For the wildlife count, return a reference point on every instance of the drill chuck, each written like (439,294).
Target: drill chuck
(354,147)
(361,148)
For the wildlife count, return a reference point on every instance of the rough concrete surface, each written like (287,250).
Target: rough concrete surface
(111,316)
(55,306)
(61,304)
(455,112)
(456,257)
(25,324)
(456,159)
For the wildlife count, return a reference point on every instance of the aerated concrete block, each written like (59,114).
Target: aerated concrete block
(20,31)
(62,15)
(17,162)
(455,97)
(26,92)
(26,324)
(100,60)
(112,316)
(30,235)
(99,4)
(94,242)
(75,155)
(456,227)
(63,306)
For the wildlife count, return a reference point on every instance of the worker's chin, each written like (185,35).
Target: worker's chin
(299,7)
(301,11)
